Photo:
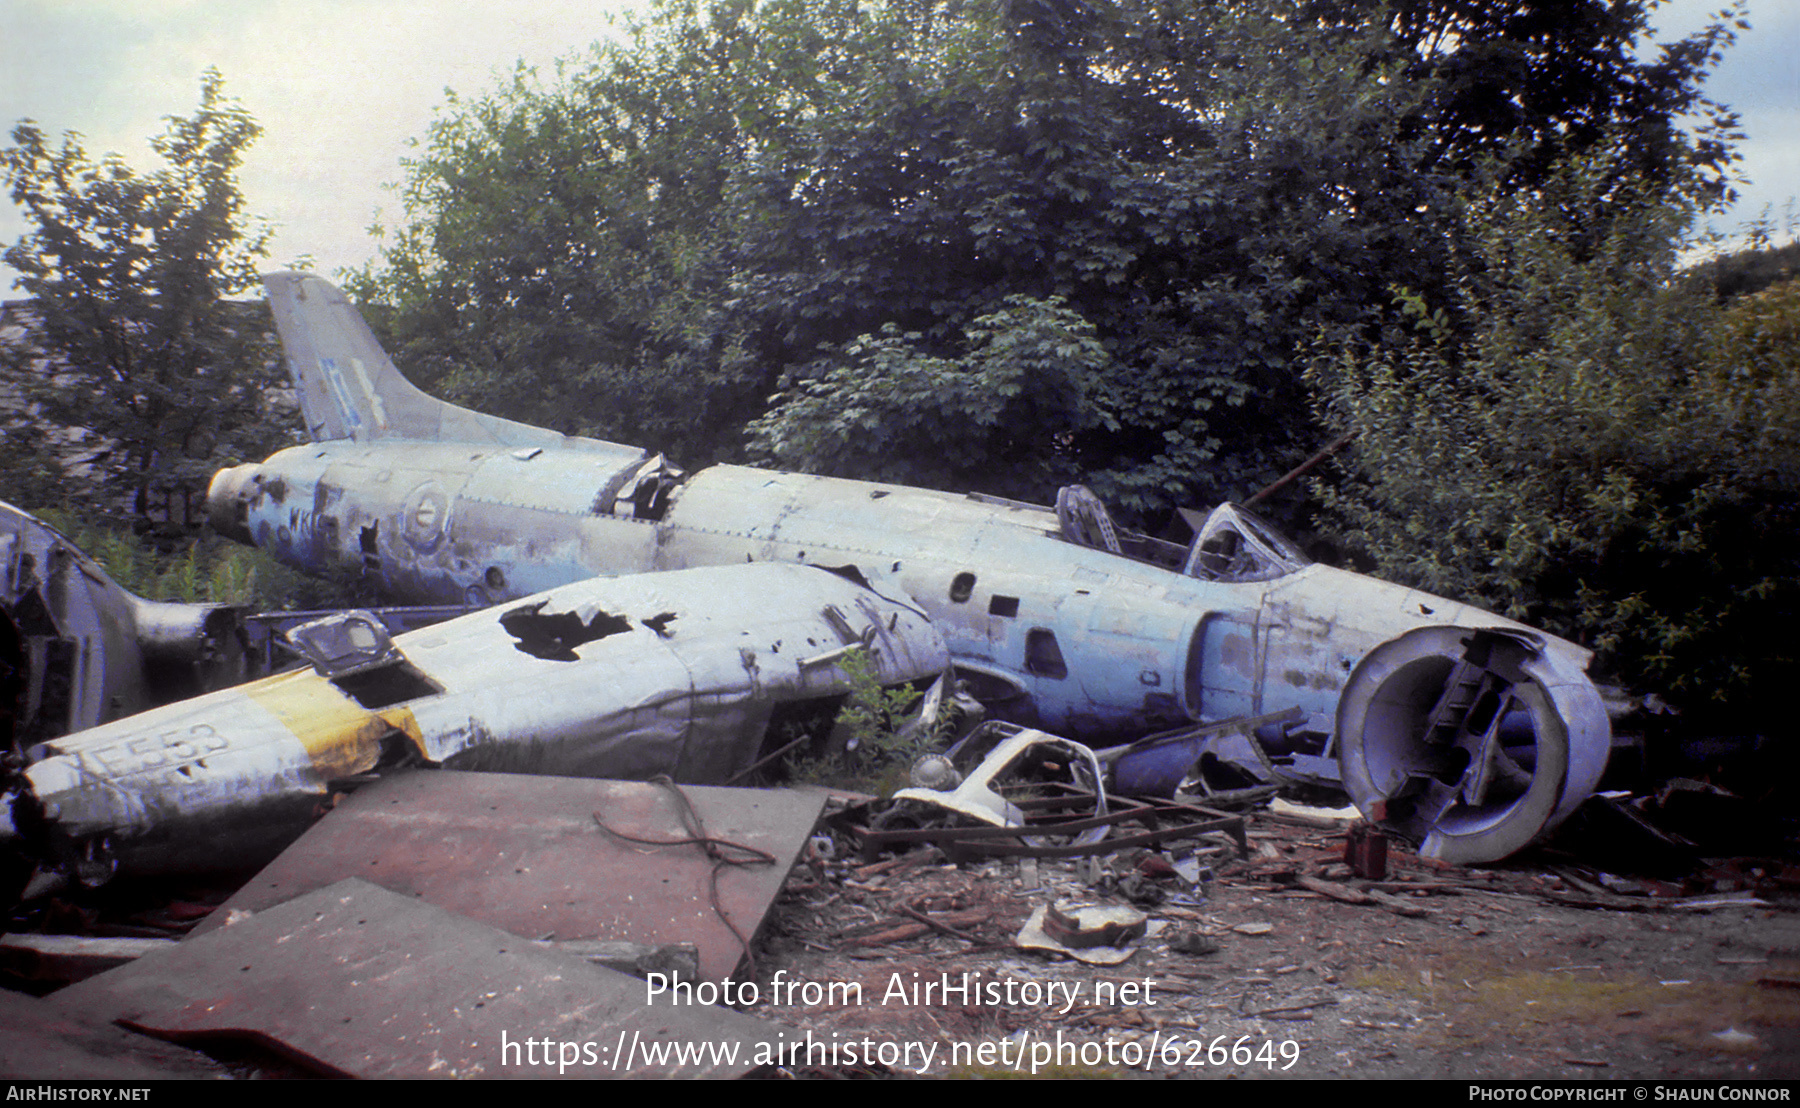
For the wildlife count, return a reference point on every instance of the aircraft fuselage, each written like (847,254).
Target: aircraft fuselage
(1449,724)
(1078,640)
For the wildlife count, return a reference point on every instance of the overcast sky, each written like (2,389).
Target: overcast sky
(341,86)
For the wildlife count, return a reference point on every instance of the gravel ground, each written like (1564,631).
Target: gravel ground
(1459,974)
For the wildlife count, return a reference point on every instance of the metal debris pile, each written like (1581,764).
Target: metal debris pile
(431,913)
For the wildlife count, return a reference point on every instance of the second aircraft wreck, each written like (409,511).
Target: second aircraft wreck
(682,674)
(1462,730)
(77,649)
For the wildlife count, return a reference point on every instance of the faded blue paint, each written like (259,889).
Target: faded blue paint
(1142,640)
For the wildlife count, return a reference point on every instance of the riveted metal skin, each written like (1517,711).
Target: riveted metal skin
(676,674)
(1056,619)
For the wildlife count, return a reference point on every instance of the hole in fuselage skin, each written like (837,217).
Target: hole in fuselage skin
(1043,656)
(555,635)
(375,689)
(962,586)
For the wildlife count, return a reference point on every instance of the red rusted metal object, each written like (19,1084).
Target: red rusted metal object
(1365,852)
(358,981)
(525,854)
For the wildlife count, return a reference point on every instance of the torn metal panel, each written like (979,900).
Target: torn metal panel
(1098,934)
(1058,619)
(64,958)
(77,650)
(525,854)
(1000,747)
(1157,765)
(684,685)
(363,982)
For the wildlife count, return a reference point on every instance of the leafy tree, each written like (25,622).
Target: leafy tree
(826,200)
(568,253)
(127,270)
(1539,81)
(1588,442)
(1200,186)
(1751,271)
(1030,371)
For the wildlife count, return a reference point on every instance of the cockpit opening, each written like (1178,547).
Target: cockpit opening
(1230,545)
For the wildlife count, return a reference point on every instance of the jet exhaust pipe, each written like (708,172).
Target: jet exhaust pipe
(1473,743)
(228,502)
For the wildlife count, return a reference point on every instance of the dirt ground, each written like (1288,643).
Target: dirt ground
(1502,973)
(1277,963)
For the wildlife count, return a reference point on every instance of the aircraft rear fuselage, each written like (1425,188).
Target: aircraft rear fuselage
(1078,640)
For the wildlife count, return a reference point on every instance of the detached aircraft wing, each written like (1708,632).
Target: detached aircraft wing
(1469,733)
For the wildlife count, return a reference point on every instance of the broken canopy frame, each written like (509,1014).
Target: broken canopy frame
(1161,764)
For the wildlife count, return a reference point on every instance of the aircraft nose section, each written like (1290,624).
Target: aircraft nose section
(1471,742)
(228,502)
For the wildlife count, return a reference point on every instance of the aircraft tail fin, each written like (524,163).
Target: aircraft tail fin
(350,389)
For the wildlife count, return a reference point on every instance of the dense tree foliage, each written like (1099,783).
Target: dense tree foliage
(1588,441)
(1009,244)
(1539,81)
(1031,370)
(752,197)
(1751,271)
(128,271)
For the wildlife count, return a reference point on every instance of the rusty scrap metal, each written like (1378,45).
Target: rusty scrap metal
(937,924)
(723,854)
(70,957)
(358,981)
(1019,841)
(1333,890)
(41,1039)
(524,854)
(1076,927)
(1102,935)
(1365,852)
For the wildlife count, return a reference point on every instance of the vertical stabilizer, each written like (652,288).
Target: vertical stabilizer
(349,389)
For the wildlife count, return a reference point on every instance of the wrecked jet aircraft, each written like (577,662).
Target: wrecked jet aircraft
(681,674)
(77,649)
(1467,732)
